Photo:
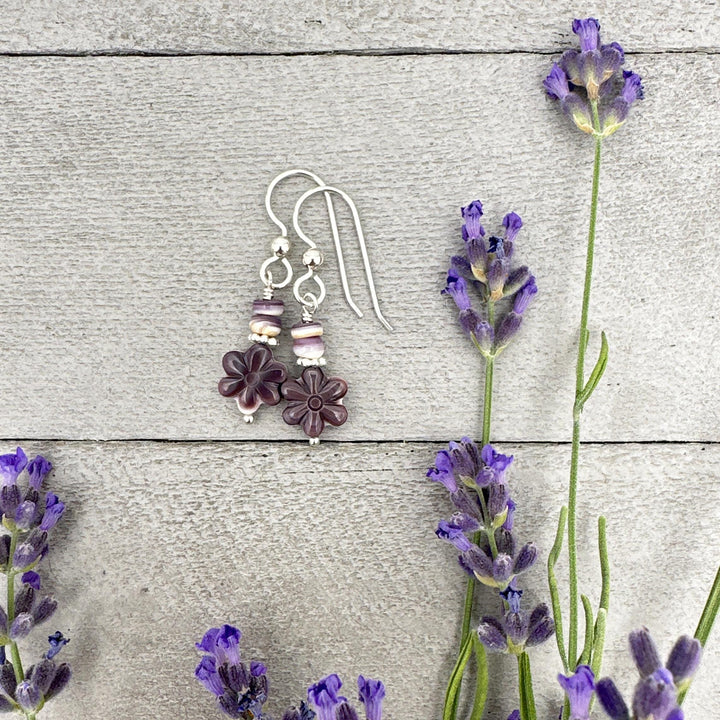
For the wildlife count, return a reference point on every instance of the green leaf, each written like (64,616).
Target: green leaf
(599,641)
(481,683)
(596,374)
(604,564)
(527,698)
(589,632)
(552,581)
(707,619)
(453,689)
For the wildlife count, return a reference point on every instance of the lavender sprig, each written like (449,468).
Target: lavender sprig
(28,516)
(241,688)
(597,95)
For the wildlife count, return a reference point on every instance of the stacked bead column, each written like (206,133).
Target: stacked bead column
(308,344)
(265,323)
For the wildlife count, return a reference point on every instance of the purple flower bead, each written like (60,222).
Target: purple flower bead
(314,400)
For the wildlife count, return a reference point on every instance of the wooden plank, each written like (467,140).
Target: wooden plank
(133,227)
(313,25)
(327,560)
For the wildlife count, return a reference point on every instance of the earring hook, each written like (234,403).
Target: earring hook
(327,189)
(279,255)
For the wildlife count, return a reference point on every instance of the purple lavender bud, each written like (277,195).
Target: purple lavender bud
(3,630)
(207,644)
(514,715)
(25,514)
(512,224)
(477,256)
(579,111)
(32,549)
(467,523)
(206,672)
(497,274)
(324,696)
(516,626)
(38,468)
(467,502)
(27,695)
(469,321)
(644,652)
(479,563)
(452,534)
(8,682)
(498,497)
(42,675)
(10,499)
(516,279)
(5,704)
(54,509)
(32,579)
(485,335)
(510,519)
(345,711)
(227,645)
(471,214)
(24,599)
(684,658)
(442,472)
(11,465)
(579,690)
(524,296)
(492,635)
(44,610)
(611,700)
(456,287)
(57,642)
(505,541)
(21,626)
(497,462)
(541,626)
(508,329)
(556,83)
(676,714)
(371,693)
(632,88)
(257,668)
(60,681)
(655,696)
(526,558)
(4,549)
(588,31)
(502,568)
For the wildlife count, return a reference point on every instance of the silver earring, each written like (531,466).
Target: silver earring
(313,399)
(253,377)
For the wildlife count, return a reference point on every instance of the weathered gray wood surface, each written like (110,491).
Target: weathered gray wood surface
(133,227)
(326,558)
(324,25)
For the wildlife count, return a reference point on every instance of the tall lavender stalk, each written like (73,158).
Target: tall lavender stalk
(28,516)
(597,95)
(475,476)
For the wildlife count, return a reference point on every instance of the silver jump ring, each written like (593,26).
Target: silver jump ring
(266,275)
(315,300)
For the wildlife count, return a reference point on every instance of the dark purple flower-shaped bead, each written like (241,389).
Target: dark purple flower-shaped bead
(313,400)
(253,378)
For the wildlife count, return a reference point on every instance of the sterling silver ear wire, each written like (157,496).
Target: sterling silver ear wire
(254,377)
(315,399)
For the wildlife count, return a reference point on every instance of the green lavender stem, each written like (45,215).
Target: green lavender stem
(579,401)
(707,619)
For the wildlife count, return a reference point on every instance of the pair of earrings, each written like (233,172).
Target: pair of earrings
(255,377)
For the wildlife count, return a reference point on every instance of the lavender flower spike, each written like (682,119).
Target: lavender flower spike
(579,688)
(588,84)
(11,465)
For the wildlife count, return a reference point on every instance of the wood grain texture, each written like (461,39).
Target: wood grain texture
(324,25)
(133,227)
(327,561)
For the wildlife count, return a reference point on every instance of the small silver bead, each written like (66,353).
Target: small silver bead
(280,246)
(312,257)
(249,418)
(314,441)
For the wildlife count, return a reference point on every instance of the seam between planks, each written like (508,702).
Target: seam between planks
(380,52)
